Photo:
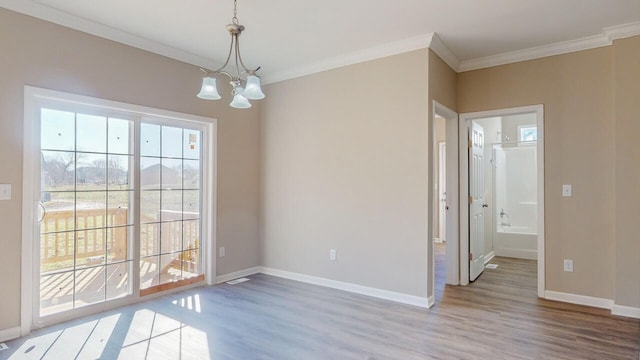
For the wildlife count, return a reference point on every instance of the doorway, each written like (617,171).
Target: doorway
(444,239)
(488,141)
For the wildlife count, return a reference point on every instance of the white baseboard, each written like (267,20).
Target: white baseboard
(354,288)
(10,334)
(628,311)
(431,300)
(579,299)
(489,257)
(517,253)
(238,274)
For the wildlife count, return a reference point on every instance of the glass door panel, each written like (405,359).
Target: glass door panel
(86,197)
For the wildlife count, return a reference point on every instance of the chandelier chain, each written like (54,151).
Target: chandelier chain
(235,12)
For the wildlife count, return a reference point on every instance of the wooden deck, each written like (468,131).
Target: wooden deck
(496,317)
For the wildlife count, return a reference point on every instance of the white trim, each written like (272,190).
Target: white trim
(464,187)
(489,257)
(238,274)
(438,46)
(606,38)
(372,53)
(628,311)
(431,300)
(578,299)
(354,288)
(62,18)
(10,333)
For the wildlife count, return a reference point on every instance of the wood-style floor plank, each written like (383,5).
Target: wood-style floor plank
(496,317)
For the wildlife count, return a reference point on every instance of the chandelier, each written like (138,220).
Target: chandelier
(237,76)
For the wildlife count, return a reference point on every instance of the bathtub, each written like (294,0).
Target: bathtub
(516,242)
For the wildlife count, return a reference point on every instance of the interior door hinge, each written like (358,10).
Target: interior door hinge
(470,200)
(469,144)
(470,256)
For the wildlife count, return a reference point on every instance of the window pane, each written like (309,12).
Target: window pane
(149,140)
(191,144)
(90,286)
(56,292)
(118,171)
(170,268)
(149,173)
(118,244)
(119,212)
(91,209)
(59,214)
(149,239)
(171,237)
(171,205)
(149,206)
(191,174)
(57,251)
(191,204)
(171,174)
(171,142)
(118,280)
(119,131)
(91,171)
(57,130)
(58,171)
(191,231)
(90,247)
(149,271)
(91,133)
(190,263)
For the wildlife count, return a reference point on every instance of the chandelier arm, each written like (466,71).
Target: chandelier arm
(246,70)
(218,70)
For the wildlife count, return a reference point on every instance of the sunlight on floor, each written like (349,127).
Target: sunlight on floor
(146,334)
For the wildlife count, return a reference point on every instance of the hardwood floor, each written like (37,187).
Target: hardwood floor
(496,317)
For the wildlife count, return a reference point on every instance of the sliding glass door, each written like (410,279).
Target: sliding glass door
(121,199)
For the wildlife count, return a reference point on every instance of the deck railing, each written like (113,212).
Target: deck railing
(86,236)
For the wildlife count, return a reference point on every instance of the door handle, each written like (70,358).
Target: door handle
(44,212)
(485,205)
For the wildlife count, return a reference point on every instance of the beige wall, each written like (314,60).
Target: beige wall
(627,171)
(41,54)
(577,92)
(344,166)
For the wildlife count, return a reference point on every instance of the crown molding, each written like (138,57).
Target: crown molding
(372,53)
(438,46)
(62,18)
(606,38)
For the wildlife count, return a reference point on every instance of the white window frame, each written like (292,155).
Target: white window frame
(521,141)
(34,99)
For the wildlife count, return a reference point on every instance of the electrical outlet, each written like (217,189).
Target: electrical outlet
(332,254)
(568,265)
(567,190)
(221,251)
(5,191)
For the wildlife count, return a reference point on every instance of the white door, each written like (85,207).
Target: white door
(476,200)
(442,191)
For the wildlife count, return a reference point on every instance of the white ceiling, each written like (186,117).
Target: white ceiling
(289,38)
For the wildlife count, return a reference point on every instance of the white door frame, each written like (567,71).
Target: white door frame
(464,186)
(451,125)
(442,176)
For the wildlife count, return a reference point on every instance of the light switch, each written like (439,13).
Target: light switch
(567,190)
(5,191)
